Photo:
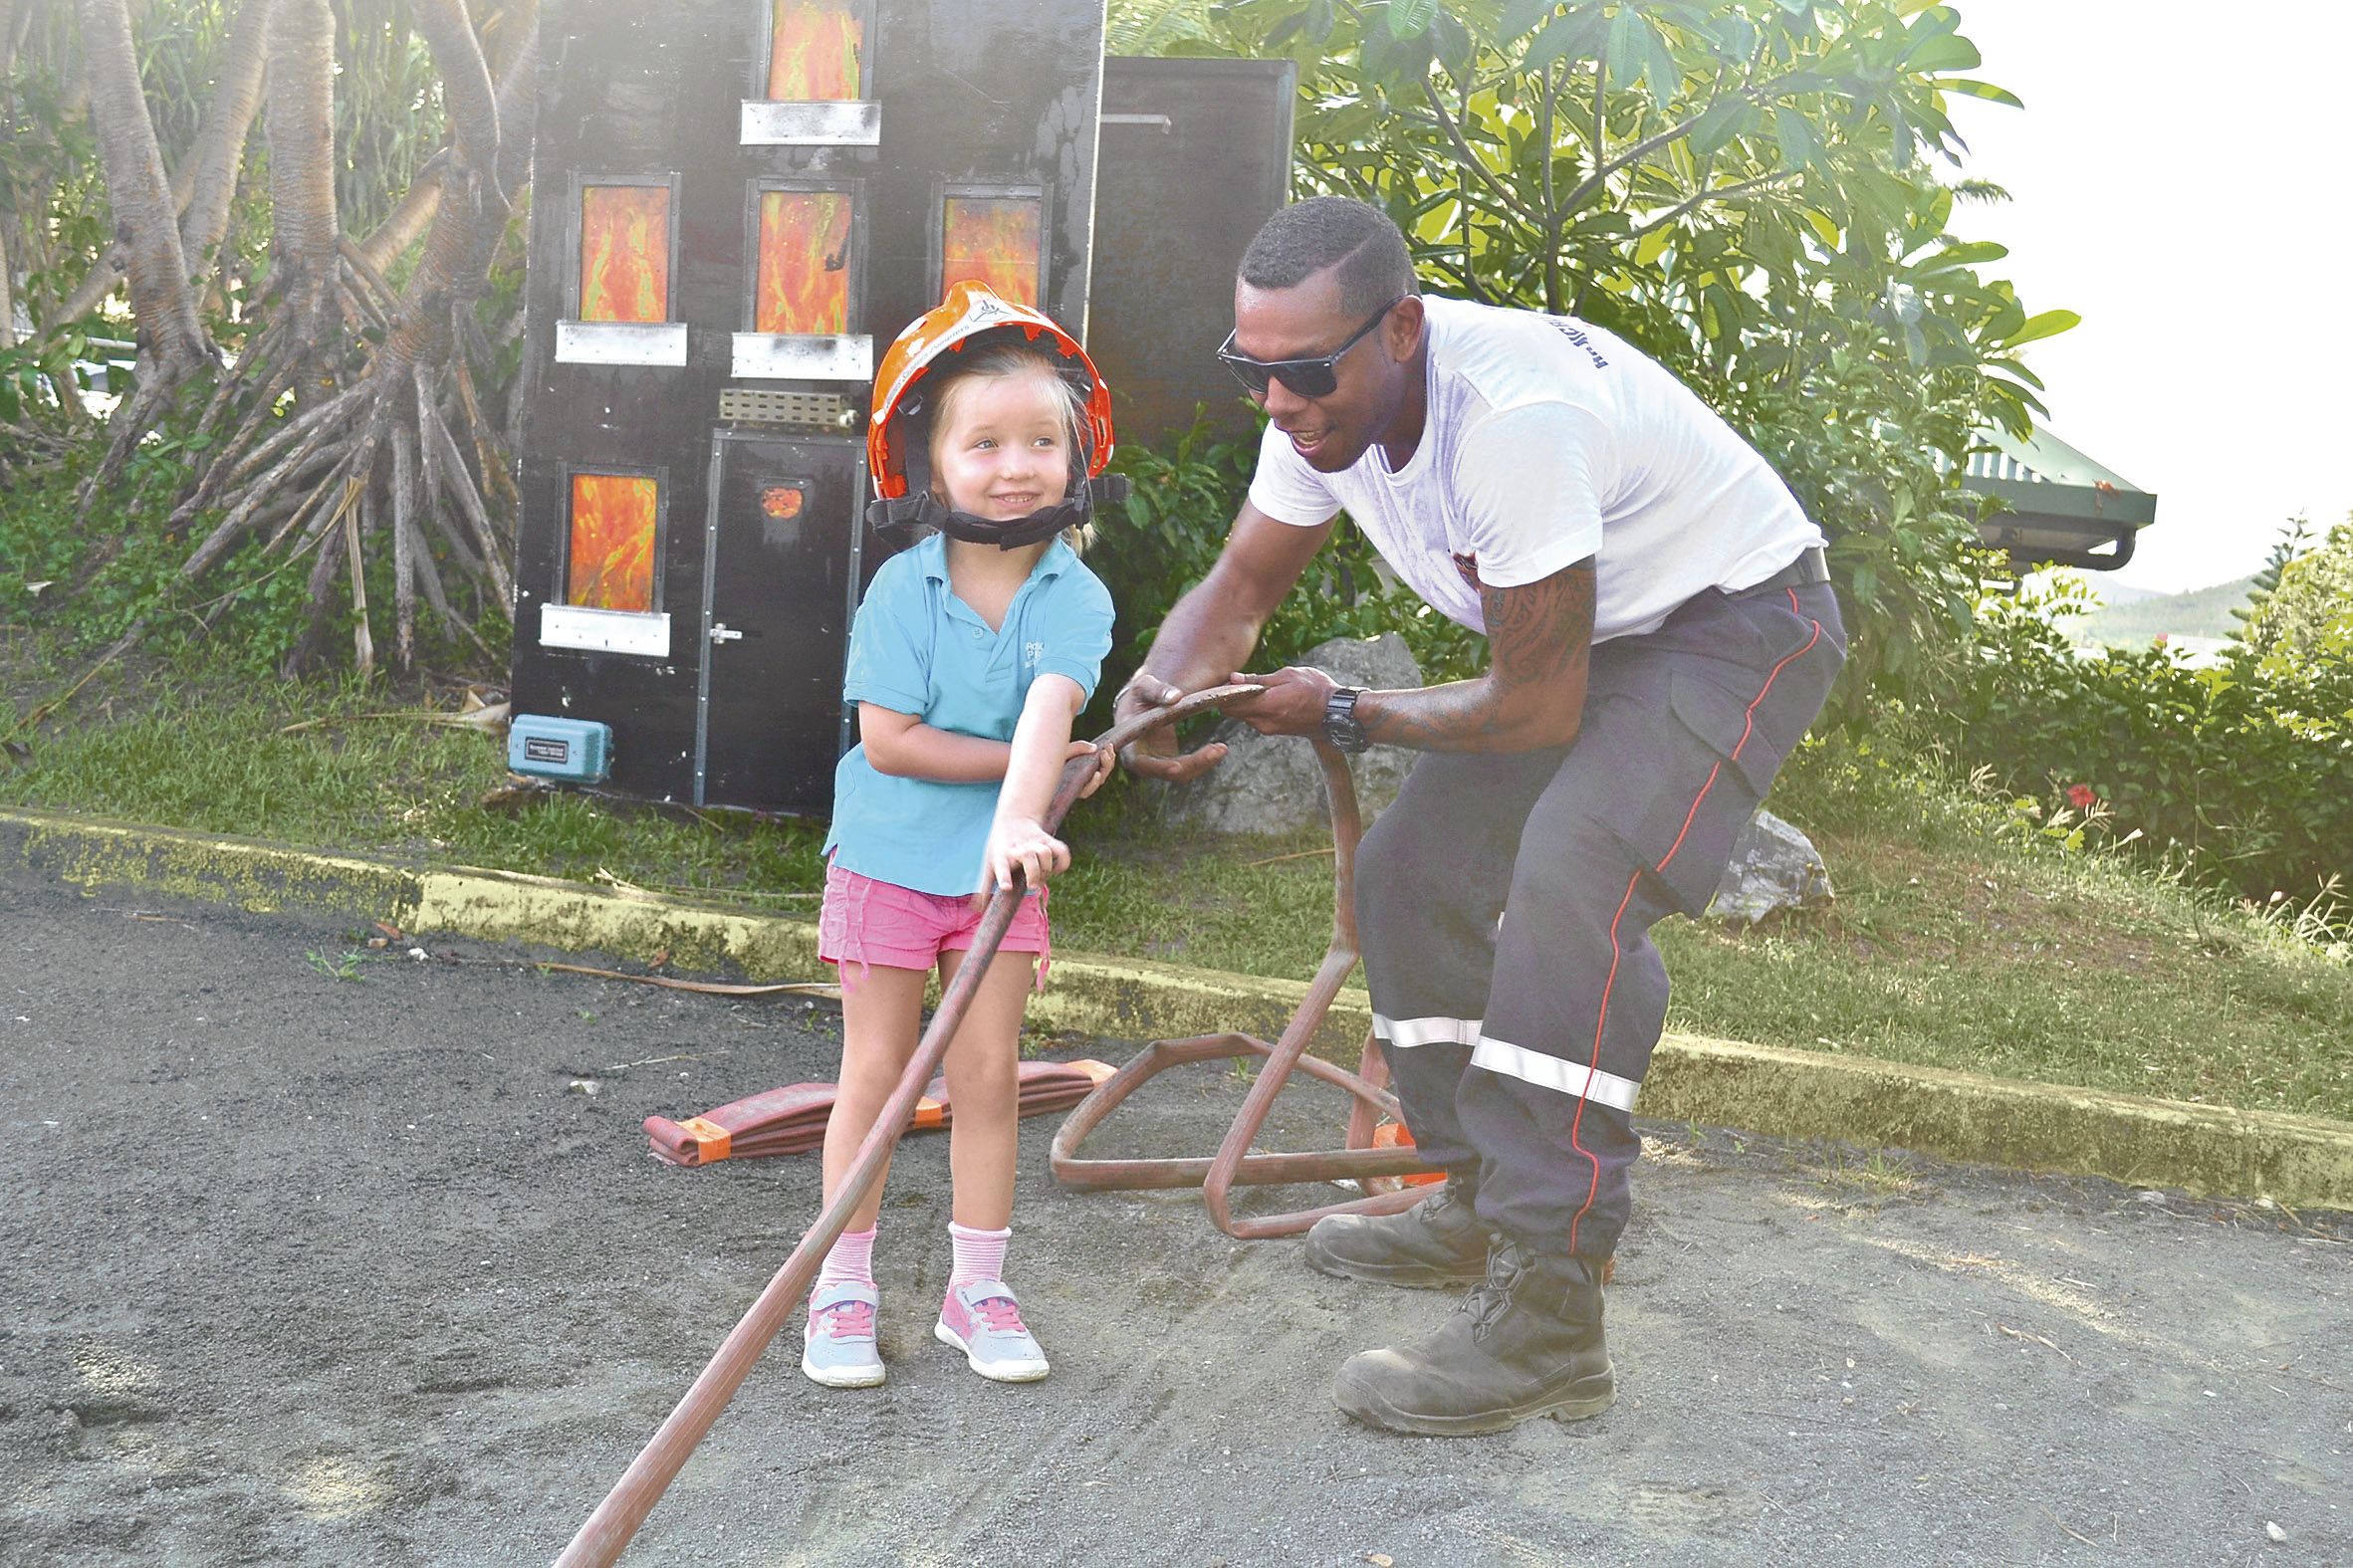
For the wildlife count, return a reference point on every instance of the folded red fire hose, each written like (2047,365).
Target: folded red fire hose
(791,1119)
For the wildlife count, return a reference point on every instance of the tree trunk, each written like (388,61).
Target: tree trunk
(212,165)
(399,230)
(204,185)
(170,335)
(474,207)
(466,91)
(300,121)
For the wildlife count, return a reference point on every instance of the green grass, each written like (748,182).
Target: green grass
(1964,935)
(2082,972)
(173,746)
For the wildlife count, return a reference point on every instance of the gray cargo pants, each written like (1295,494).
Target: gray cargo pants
(1518,1048)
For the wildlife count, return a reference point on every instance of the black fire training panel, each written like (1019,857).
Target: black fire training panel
(736,205)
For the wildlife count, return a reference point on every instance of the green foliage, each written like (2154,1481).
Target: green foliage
(1970,933)
(2295,537)
(30,371)
(48,172)
(343,966)
(1153,27)
(388,115)
(2309,614)
(1743,187)
(2239,768)
(1181,505)
(83,587)
(78,590)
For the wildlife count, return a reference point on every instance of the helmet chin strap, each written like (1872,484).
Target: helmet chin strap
(896,518)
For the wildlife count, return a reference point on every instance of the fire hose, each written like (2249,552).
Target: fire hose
(1373,1112)
(608,1531)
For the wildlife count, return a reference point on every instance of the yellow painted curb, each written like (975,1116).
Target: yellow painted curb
(2300,1161)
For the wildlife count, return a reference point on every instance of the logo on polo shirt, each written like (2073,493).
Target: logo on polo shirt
(1570,330)
(1031,653)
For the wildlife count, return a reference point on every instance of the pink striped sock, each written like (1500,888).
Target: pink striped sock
(980,1254)
(850,1260)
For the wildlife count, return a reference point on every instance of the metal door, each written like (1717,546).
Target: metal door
(781,579)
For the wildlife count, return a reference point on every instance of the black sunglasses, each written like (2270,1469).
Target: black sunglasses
(1317,377)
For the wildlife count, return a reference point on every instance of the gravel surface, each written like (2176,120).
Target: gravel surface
(316,1260)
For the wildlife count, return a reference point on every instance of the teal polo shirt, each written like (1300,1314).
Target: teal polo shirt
(917,649)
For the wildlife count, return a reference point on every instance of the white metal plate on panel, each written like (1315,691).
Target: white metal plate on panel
(604,632)
(781,356)
(622,342)
(843,125)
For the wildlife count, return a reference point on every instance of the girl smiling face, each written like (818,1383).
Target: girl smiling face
(1001,446)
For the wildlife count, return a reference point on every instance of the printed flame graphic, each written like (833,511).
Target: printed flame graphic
(782,502)
(992,240)
(626,253)
(816,52)
(613,517)
(804,262)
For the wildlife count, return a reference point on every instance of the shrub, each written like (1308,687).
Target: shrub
(2245,767)
(2308,613)
(77,588)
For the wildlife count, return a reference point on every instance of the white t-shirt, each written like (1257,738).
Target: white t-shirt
(1549,440)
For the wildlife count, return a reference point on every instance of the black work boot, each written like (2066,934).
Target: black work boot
(1438,1242)
(1525,1342)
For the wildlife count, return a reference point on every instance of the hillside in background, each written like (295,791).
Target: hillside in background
(2201,612)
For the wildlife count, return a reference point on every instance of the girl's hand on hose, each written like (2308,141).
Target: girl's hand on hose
(1021,844)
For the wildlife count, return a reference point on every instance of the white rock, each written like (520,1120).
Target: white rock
(1773,866)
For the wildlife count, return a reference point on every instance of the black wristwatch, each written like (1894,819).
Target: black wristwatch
(1340,726)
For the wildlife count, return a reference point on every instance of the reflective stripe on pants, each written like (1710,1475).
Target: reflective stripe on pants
(1504,904)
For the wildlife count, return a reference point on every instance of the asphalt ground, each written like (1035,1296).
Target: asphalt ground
(307,1260)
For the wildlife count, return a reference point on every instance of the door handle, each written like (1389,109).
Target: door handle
(721,633)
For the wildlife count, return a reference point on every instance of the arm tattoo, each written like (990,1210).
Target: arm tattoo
(1539,637)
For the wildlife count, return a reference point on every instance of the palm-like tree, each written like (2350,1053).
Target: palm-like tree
(172,345)
(349,421)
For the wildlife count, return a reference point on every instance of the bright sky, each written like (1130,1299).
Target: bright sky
(2177,177)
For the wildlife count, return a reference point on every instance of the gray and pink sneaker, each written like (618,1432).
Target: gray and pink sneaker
(982,1319)
(838,1342)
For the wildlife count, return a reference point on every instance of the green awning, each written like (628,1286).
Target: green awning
(2066,507)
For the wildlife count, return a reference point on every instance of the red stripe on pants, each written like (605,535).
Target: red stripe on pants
(1593,1062)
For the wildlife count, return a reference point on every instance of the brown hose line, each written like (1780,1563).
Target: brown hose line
(608,1531)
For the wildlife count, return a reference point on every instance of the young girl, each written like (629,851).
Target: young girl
(971,657)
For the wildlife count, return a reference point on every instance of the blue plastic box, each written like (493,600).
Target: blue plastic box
(574,750)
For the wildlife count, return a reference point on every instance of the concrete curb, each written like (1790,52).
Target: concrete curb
(2299,1161)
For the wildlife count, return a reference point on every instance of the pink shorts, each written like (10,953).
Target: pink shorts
(863,922)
